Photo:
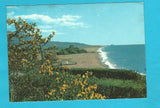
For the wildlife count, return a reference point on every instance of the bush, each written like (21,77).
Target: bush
(109,73)
(55,86)
(71,50)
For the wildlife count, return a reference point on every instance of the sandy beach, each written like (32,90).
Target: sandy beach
(83,60)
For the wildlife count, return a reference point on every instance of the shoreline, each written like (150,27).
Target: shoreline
(104,60)
(84,60)
(92,59)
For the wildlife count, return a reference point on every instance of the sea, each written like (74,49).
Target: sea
(130,57)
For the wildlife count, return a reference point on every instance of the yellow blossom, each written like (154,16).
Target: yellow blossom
(24,60)
(83,76)
(57,78)
(83,92)
(48,61)
(79,94)
(50,93)
(53,90)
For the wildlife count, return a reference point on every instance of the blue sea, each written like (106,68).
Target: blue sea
(130,57)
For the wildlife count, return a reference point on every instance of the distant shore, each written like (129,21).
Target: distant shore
(84,60)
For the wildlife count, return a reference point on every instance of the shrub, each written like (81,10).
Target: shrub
(109,73)
(71,50)
(53,86)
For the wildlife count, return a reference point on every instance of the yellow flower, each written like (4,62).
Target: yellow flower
(57,78)
(79,94)
(33,42)
(42,66)
(89,88)
(103,97)
(57,73)
(15,53)
(83,76)
(95,86)
(24,60)
(85,82)
(48,61)
(83,92)
(39,71)
(53,90)
(50,93)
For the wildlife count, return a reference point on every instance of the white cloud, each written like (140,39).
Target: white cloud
(9,15)
(43,18)
(65,20)
(49,31)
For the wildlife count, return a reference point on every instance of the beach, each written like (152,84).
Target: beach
(83,60)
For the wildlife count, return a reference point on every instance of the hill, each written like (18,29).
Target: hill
(63,45)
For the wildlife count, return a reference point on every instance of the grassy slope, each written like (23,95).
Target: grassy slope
(117,83)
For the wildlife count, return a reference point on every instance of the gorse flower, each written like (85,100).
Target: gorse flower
(74,87)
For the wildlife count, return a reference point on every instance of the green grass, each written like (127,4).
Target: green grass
(120,83)
(116,83)
(110,73)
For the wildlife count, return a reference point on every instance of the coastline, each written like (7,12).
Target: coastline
(94,58)
(90,59)
(104,59)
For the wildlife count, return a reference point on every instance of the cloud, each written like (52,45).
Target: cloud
(9,15)
(49,31)
(65,20)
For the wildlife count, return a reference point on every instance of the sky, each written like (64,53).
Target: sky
(93,24)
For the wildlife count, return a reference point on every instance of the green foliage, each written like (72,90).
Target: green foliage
(32,75)
(71,50)
(58,86)
(23,55)
(116,83)
(110,73)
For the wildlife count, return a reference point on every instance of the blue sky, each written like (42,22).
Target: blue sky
(94,24)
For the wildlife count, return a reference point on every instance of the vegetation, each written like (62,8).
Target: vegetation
(71,50)
(116,83)
(32,75)
(110,73)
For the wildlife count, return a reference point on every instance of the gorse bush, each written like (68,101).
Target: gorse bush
(71,87)
(55,86)
(23,54)
(32,75)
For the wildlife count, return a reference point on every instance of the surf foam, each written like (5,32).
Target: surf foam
(104,58)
